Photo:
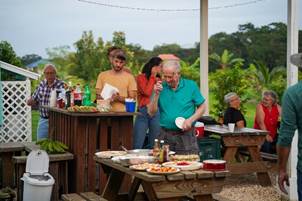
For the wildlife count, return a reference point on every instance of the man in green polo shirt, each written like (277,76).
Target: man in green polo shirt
(290,121)
(177,97)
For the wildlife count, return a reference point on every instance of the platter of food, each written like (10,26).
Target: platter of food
(163,170)
(144,166)
(109,154)
(87,109)
(184,165)
(189,157)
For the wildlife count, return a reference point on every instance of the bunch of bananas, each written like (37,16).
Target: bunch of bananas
(51,146)
(77,108)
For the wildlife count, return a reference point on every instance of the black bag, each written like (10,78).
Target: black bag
(208,120)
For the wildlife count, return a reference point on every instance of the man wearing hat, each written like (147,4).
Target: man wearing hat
(291,119)
(117,77)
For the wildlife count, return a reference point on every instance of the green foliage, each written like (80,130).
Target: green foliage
(228,80)
(8,55)
(30,58)
(191,72)
(225,60)
(266,79)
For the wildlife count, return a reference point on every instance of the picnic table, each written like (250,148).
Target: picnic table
(86,133)
(248,138)
(197,184)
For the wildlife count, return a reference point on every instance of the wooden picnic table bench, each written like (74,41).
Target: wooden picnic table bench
(197,184)
(248,138)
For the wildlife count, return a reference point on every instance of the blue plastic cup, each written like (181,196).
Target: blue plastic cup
(130,106)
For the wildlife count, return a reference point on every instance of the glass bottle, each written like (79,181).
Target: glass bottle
(87,96)
(78,95)
(156,148)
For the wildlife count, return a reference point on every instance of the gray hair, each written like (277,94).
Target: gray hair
(49,66)
(172,63)
(272,94)
(229,96)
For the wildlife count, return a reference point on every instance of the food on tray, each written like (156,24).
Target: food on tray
(184,165)
(109,154)
(190,157)
(163,170)
(77,108)
(144,166)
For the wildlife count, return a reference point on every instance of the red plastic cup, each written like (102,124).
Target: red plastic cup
(199,130)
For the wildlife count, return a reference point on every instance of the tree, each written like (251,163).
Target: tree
(30,58)
(8,55)
(268,79)
(89,57)
(223,81)
(225,60)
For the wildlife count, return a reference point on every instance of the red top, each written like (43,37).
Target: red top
(144,88)
(270,120)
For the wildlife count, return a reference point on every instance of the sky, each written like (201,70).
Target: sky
(31,26)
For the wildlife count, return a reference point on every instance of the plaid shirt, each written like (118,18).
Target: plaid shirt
(42,94)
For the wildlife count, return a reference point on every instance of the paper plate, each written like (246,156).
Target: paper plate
(179,122)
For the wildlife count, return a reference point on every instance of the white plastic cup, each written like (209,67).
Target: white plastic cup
(231,127)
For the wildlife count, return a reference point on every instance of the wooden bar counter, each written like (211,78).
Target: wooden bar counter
(85,134)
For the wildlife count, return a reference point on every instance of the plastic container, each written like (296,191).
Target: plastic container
(209,148)
(38,182)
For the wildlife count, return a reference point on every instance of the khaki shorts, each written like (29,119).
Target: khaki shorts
(182,142)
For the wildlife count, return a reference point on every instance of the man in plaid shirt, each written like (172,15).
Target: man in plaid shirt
(41,97)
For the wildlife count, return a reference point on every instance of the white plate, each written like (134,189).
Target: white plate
(109,154)
(179,122)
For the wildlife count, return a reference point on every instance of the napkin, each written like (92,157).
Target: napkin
(108,91)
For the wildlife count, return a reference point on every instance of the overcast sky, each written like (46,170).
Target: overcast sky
(31,26)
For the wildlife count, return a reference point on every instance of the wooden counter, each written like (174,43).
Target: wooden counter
(85,134)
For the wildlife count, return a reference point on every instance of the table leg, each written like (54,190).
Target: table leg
(113,185)
(134,187)
(7,170)
(263,177)
(230,153)
(148,189)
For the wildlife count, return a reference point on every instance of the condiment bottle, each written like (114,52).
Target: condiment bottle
(156,148)
(161,152)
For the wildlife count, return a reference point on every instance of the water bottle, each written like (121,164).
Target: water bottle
(78,95)
(87,96)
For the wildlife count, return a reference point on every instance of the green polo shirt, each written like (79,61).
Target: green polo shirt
(291,119)
(179,103)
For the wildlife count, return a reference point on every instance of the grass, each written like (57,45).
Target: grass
(34,123)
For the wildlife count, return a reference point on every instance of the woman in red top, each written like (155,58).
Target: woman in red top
(144,123)
(267,117)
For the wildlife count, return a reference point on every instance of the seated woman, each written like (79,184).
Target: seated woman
(267,117)
(233,113)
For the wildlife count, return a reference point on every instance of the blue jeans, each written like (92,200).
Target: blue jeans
(299,185)
(144,124)
(42,131)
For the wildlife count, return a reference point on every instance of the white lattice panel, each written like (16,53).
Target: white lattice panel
(16,113)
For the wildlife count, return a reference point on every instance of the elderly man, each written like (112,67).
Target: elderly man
(117,77)
(41,97)
(177,97)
